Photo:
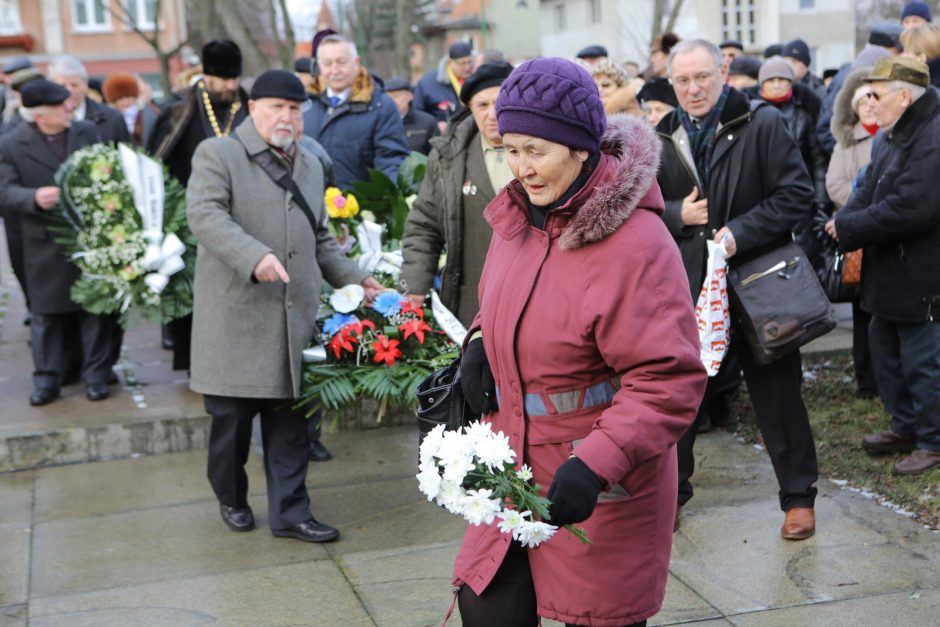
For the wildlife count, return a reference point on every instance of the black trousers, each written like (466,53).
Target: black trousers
(861,353)
(285,443)
(181,330)
(509,600)
(781,415)
(55,347)
(14,232)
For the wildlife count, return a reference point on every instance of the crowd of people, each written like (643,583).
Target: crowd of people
(573,199)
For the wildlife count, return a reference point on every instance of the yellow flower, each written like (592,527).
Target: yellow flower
(339,206)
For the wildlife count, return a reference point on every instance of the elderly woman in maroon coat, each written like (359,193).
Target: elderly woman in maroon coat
(585,352)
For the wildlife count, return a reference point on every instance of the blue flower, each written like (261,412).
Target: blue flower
(336,322)
(388,303)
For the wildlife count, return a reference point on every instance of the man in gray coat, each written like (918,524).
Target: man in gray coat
(263,253)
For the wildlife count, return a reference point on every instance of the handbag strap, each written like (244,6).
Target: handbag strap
(278,172)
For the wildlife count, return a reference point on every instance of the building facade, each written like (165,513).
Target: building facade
(97,32)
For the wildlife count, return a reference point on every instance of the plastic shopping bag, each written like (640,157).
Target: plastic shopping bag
(711,310)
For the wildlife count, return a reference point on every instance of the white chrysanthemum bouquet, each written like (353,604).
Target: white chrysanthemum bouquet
(472,472)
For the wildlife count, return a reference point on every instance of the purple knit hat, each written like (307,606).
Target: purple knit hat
(553,99)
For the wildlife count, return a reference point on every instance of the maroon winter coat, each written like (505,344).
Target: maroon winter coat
(589,329)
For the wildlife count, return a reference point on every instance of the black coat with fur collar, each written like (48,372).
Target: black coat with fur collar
(758,185)
(895,216)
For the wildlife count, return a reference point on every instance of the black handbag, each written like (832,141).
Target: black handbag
(779,302)
(441,401)
(830,263)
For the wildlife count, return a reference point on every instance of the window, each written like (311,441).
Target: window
(561,23)
(739,20)
(91,15)
(10,18)
(141,13)
(595,11)
(807,5)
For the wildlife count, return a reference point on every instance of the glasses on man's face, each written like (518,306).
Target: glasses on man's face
(874,94)
(702,79)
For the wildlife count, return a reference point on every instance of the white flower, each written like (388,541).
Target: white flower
(478,431)
(451,496)
(524,473)
(511,520)
(457,467)
(347,298)
(432,443)
(478,507)
(429,482)
(454,445)
(494,451)
(532,534)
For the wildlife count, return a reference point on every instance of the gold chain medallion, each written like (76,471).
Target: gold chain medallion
(211,113)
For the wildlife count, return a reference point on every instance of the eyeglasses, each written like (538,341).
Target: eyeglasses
(874,94)
(702,79)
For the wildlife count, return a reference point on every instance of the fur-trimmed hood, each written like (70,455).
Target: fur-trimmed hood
(844,118)
(625,179)
(362,88)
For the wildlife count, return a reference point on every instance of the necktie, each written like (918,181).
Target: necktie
(334,102)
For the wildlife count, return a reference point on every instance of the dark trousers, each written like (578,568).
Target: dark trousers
(907,362)
(313,426)
(181,330)
(861,353)
(509,600)
(781,415)
(14,233)
(54,346)
(285,443)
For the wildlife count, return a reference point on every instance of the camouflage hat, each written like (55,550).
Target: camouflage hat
(900,69)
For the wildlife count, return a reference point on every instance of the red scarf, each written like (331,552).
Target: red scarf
(782,99)
(871,128)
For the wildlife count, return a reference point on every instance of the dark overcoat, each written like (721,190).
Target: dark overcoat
(758,183)
(26,164)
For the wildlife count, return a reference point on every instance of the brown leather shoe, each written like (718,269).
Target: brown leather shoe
(917,462)
(799,524)
(889,442)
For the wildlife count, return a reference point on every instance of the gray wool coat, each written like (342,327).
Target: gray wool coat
(248,337)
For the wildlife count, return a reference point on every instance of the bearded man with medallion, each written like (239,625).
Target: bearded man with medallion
(212,107)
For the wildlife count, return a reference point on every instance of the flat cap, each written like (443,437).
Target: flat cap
(900,69)
(886,35)
(745,65)
(21,77)
(16,64)
(773,50)
(460,50)
(302,65)
(732,43)
(487,75)
(278,84)
(398,83)
(41,91)
(592,52)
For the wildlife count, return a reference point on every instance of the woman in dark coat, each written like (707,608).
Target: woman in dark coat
(586,353)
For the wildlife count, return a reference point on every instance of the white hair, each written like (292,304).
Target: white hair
(29,114)
(66,65)
(916,91)
(339,39)
(688,45)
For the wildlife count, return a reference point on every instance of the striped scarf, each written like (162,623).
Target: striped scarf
(702,138)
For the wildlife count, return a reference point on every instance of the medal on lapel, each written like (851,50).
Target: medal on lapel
(469,189)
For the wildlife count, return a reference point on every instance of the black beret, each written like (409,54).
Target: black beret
(745,65)
(592,52)
(39,92)
(886,35)
(487,75)
(796,49)
(732,43)
(302,65)
(773,50)
(829,71)
(222,58)
(398,83)
(660,90)
(318,37)
(460,50)
(278,84)
(17,64)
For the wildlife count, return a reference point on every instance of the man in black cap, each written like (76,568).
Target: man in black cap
(437,91)
(14,65)
(797,53)
(592,54)
(466,169)
(30,155)
(213,107)
(420,126)
(264,250)
(731,49)
(773,50)
(743,72)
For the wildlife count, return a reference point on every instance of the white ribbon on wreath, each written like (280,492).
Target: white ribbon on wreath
(372,258)
(164,255)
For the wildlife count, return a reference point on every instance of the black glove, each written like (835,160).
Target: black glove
(573,493)
(476,379)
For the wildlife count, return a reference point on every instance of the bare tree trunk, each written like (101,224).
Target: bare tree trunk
(288,49)
(254,60)
(673,16)
(658,10)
